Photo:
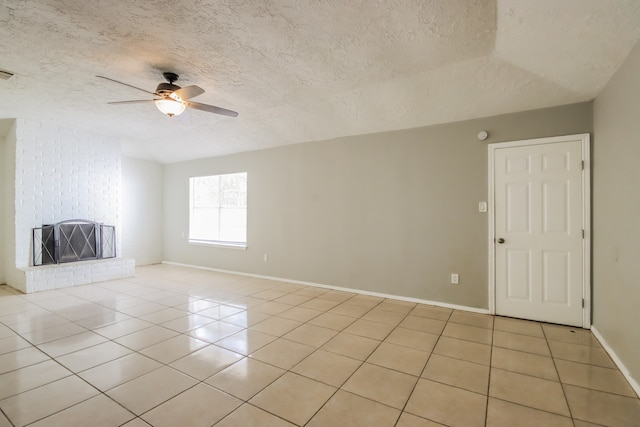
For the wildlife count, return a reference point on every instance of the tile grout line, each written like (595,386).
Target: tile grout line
(7,417)
(486,409)
(246,402)
(564,392)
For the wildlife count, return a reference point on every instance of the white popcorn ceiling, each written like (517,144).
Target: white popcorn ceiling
(302,70)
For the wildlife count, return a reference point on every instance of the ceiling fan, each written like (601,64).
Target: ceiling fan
(172,99)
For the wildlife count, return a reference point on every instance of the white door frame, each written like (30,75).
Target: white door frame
(586,216)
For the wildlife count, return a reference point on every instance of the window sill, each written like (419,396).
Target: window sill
(239,246)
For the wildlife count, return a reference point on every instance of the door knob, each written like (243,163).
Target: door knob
(501,240)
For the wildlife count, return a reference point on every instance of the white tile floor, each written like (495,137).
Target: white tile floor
(184,347)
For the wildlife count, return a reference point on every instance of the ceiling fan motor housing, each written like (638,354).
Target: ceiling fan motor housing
(166,88)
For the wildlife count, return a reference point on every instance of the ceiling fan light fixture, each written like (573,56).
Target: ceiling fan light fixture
(170,107)
(172,99)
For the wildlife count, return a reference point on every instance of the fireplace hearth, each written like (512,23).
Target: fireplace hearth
(71,241)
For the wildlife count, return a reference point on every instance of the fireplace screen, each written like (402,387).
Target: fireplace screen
(73,240)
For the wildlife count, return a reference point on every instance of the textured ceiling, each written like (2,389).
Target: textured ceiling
(302,70)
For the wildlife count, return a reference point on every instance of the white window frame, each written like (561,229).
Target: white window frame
(210,242)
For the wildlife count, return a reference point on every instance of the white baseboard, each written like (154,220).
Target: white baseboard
(634,384)
(337,288)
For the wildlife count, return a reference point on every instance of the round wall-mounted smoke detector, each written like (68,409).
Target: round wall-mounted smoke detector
(482,135)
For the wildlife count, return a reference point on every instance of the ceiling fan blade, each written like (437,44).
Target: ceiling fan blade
(210,109)
(137,101)
(188,92)
(125,84)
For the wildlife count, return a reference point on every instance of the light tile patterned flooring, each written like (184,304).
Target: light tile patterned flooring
(184,347)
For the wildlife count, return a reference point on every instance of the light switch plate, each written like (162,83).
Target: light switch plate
(482,206)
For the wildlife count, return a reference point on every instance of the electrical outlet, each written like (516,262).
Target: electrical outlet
(455,278)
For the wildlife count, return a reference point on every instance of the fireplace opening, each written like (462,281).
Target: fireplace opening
(73,240)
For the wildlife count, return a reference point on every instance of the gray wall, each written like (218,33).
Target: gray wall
(141,210)
(392,212)
(616,213)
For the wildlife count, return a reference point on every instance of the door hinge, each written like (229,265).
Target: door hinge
(583,233)
(582,164)
(582,302)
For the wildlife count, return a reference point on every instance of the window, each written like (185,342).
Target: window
(218,209)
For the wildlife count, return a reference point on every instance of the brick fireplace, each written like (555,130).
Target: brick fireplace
(54,174)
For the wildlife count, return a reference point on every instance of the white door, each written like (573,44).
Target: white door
(539,214)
